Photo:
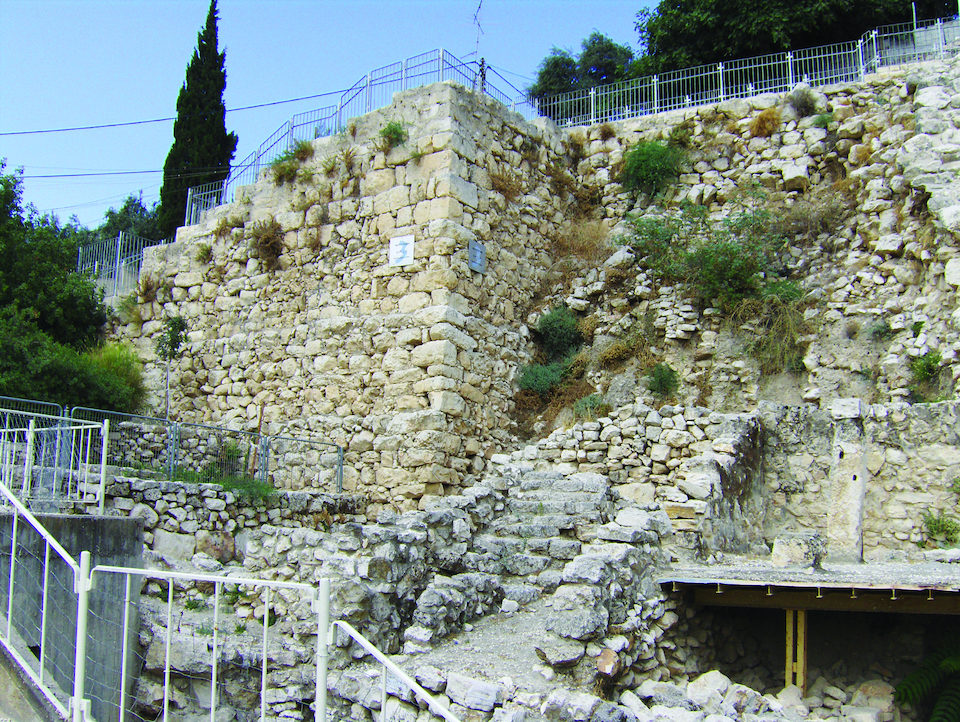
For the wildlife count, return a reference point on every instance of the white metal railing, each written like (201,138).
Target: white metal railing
(37,578)
(777,72)
(212,635)
(52,458)
(372,91)
(386,666)
(114,263)
(63,623)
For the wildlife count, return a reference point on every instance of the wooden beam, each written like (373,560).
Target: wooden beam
(830,600)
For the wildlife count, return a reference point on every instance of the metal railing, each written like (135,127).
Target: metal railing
(390,670)
(38,604)
(53,458)
(114,263)
(372,91)
(235,661)
(207,453)
(746,77)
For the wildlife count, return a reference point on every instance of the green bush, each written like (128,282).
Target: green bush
(924,368)
(590,407)
(664,380)
(559,332)
(34,366)
(119,360)
(650,166)
(393,134)
(941,525)
(935,683)
(720,262)
(880,331)
(542,378)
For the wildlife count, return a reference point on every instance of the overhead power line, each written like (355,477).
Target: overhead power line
(158,120)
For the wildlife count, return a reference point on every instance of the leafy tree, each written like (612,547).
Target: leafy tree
(685,33)
(602,61)
(168,348)
(38,259)
(557,74)
(51,317)
(132,217)
(202,149)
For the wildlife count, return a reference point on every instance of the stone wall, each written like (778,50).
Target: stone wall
(907,456)
(412,368)
(180,520)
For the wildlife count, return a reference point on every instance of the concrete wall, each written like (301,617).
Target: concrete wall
(110,541)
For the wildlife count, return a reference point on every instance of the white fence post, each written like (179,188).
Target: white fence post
(940,39)
(323,649)
(369,95)
(593,105)
(656,99)
(441,64)
(720,73)
(82,589)
(28,459)
(105,433)
(790,70)
(116,263)
(863,70)
(187,213)
(403,74)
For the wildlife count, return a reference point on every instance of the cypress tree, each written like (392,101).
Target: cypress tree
(202,149)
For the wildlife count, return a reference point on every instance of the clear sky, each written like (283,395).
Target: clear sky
(67,63)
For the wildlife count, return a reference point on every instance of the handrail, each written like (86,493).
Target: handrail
(39,528)
(201,577)
(434,705)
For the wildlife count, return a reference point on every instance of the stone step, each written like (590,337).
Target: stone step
(592,483)
(557,548)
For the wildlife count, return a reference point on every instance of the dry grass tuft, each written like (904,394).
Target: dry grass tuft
(507,185)
(606,132)
(766,123)
(267,239)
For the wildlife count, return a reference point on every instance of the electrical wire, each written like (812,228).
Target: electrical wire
(161,120)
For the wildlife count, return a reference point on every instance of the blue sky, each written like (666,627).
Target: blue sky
(85,62)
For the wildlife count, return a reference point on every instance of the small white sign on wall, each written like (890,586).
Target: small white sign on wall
(401,250)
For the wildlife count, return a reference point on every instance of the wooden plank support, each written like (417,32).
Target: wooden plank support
(796,649)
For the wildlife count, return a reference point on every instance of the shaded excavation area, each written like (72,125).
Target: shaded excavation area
(837,638)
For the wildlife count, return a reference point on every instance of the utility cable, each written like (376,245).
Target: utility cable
(161,120)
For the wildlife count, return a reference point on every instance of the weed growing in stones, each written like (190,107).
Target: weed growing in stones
(664,381)
(880,331)
(650,166)
(766,123)
(267,239)
(590,407)
(558,333)
(393,134)
(204,253)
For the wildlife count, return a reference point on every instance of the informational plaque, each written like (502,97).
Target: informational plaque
(477,260)
(401,250)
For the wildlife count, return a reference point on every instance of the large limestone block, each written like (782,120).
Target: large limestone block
(434,352)
(795,177)
(932,97)
(951,272)
(176,546)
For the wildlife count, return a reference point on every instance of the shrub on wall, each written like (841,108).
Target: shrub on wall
(650,166)
(558,332)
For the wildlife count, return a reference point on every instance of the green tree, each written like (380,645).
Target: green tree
(168,348)
(132,217)
(557,74)
(51,317)
(38,259)
(684,33)
(202,149)
(602,61)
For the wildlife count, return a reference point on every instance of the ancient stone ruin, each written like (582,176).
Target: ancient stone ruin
(754,547)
